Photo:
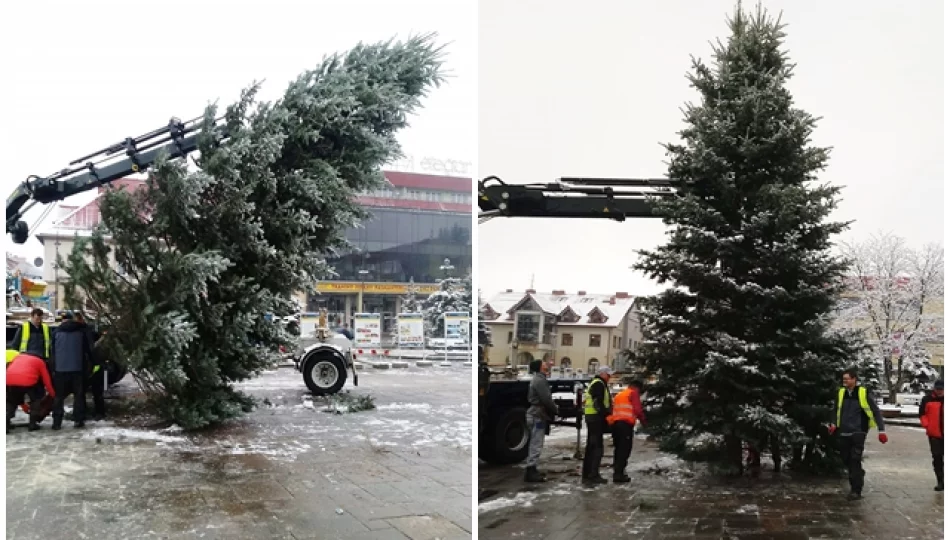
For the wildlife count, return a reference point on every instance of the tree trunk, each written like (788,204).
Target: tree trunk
(775,448)
(734,452)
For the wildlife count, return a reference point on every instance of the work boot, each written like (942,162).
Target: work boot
(98,418)
(532,475)
(57,424)
(595,480)
(939,486)
(853,496)
(622,479)
(79,424)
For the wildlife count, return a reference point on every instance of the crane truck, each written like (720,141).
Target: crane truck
(323,365)
(502,397)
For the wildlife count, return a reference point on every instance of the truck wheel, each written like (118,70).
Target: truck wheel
(511,437)
(324,373)
(116,373)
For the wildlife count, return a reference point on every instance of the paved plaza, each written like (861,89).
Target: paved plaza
(667,500)
(289,470)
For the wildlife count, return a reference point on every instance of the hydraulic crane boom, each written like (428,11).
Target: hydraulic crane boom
(609,198)
(175,140)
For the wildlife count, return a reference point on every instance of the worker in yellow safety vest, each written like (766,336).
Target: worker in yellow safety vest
(597,406)
(33,336)
(856,414)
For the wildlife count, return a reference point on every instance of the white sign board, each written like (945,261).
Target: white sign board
(367,329)
(410,329)
(456,328)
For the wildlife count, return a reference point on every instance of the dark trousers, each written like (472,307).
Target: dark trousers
(936,452)
(69,383)
(17,394)
(594,451)
(851,448)
(97,384)
(623,445)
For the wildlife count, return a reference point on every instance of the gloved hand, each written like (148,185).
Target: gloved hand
(882,437)
(831,429)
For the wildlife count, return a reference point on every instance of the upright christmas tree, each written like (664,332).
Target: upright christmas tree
(454,295)
(741,343)
(210,256)
(410,302)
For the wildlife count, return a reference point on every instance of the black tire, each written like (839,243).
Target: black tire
(116,372)
(511,437)
(325,361)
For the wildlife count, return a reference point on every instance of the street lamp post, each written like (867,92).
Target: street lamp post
(446,267)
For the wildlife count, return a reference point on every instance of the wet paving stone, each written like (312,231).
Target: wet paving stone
(898,503)
(287,470)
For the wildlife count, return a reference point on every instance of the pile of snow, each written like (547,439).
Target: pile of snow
(748,509)
(131,435)
(669,466)
(523,499)
(404,407)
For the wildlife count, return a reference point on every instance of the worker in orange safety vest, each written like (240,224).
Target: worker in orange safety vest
(626,411)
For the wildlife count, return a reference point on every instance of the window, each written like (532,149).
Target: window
(616,342)
(567,340)
(594,340)
(510,335)
(630,343)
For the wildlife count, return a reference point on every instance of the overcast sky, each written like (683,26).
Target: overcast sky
(79,76)
(592,88)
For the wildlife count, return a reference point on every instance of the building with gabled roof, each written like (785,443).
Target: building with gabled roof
(579,332)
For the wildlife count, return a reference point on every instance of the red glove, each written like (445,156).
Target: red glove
(831,429)
(882,437)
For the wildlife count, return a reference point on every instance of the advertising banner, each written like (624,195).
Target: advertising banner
(367,329)
(410,328)
(456,327)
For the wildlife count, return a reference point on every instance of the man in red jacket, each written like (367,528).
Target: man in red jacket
(931,418)
(27,375)
(627,410)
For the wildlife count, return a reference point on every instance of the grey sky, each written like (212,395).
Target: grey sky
(591,88)
(79,76)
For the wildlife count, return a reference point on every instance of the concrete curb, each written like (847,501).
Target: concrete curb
(423,363)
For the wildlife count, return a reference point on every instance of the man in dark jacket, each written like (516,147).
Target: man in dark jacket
(97,380)
(538,417)
(33,336)
(856,414)
(931,418)
(597,407)
(72,354)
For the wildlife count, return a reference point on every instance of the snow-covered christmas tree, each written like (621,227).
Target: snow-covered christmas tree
(741,343)
(410,302)
(454,295)
(209,255)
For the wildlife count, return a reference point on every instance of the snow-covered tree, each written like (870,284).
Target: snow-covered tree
(741,343)
(411,302)
(209,255)
(890,296)
(454,295)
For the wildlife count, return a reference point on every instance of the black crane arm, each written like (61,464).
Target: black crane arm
(175,140)
(609,198)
